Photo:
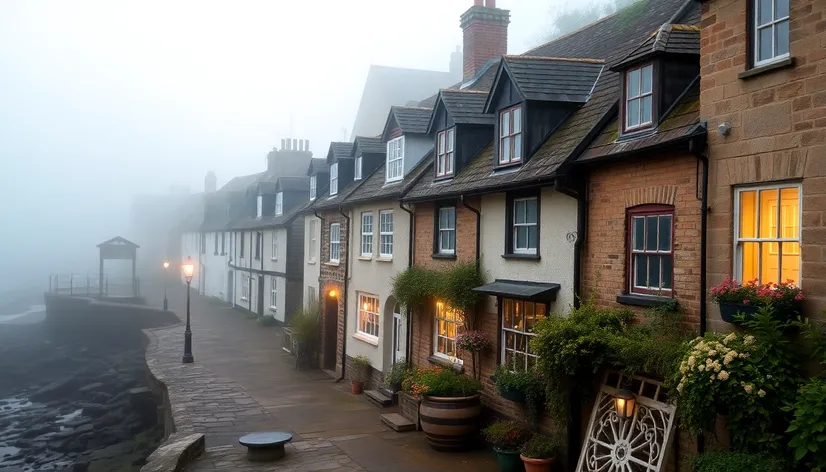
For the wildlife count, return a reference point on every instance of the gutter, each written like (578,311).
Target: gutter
(346,279)
(478,228)
(410,253)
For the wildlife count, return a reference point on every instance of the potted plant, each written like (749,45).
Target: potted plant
(474,342)
(450,407)
(304,325)
(540,452)
(507,437)
(525,387)
(361,368)
(395,375)
(745,299)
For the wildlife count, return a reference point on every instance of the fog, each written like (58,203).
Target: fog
(103,100)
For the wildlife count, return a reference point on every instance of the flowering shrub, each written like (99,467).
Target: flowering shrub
(439,382)
(785,296)
(506,435)
(472,341)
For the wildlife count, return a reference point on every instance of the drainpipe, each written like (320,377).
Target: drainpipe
(580,194)
(478,227)
(410,253)
(344,299)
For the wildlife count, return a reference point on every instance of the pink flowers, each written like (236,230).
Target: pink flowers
(754,293)
(472,341)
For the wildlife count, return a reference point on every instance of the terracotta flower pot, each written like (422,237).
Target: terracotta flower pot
(538,465)
(449,422)
(357,386)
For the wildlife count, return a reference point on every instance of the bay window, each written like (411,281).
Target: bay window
(518,320)
(510,135)
(445,152)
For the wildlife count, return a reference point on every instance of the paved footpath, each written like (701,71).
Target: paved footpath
(242,381)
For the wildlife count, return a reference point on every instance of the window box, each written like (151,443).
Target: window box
(729,312)
(446,363)
(642,300)
(524,257)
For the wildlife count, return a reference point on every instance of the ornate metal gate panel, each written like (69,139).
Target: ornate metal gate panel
(638,444)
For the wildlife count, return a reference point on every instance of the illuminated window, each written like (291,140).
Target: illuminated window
(767,234)
(518,320)
(446,326)
(368,315)
(650,250)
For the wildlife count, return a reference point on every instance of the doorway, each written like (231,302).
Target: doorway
(330,329)
(260,310)
(399,334)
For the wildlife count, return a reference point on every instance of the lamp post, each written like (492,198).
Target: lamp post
(165,272)
(624,403)
(189,270)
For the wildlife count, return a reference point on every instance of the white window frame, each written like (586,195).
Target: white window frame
(445,152)
(279,203)
(334,179)
(738,249)
(245,287)
(313,187)
(440,315)
(273,294)
(357,171)
(386,239)
(313,249)
(446,231)
(274,255)
(394,169)
(636,98)
(515,225)
(772,24)
(517,331)
(369,317)
(367,234)
(335,230)
(259,212)
(510,135)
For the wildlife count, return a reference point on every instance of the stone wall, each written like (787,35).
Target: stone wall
(331,279)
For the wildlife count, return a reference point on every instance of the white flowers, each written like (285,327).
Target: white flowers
(731,337)
(761,393)
(723,375)
(730,357)
(749,340)
(748,388)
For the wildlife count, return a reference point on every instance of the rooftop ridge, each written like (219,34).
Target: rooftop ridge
(463,91)
(402,107)
(560,59)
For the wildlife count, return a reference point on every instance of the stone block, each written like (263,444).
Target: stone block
(175,454)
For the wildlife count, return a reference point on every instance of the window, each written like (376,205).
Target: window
(444,157)
(367,234)
(203,243)
(273,293)
(245,287)
(335,242)
(215,241)
(446,236)
(259,212)
(279,203)
(771,30)
(510,135)
(525,225)
(334,179)
(651,249)
(386,233)
(223,243)
(258,238)
(518,319)
(369,316)
(313,249)
(243,244)
(446,326)
(357,174)
(639,97)
(274,255)
(767,234)
(395,159)
(313,188)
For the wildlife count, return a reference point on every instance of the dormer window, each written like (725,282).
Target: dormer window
(395,159)
(334,179)
(445,155)
(313,188)
(260,207)
(639,97)
(279,203)
(357,172)
(510,136)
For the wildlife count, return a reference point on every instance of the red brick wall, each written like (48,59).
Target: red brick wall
(485,37)
(778,131)
(613,188)
(331,277)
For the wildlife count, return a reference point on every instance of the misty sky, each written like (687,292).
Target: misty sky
(103,99)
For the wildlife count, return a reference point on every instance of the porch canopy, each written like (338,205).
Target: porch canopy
(534,291)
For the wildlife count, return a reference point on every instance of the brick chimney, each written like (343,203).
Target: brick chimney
(485,35)
(210,182)
(291,160)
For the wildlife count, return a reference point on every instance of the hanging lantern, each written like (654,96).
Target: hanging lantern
(624,403)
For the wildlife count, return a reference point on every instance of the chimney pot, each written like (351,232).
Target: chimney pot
(485,35)
(295,144)
(490,3)
(478,3)
(300,144)
(282,145)
(306,144)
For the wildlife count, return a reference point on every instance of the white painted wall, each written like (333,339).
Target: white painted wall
(312,269)
(277,309)
(372,275)
(215,267)
(558,218)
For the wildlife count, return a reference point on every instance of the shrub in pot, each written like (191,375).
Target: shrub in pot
(540,453)
(395,375)
(361,368)
(450,407)
(305,329)
(507,437)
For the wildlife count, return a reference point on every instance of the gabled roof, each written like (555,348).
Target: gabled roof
(464,106)
(268,221)
(668,39)
(340,150)
(375,188)
(366,145)
(119,241)
(482,81)
(411,120)
(317,166)
(553,79)
(327,202)
(240,184)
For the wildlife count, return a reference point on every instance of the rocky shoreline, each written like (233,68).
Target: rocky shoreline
(79,408)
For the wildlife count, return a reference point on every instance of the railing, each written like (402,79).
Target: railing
(92,285)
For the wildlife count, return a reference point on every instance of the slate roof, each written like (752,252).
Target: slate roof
(269,221)
(681,122)
(466,106)
(340,150)
(553,78)
(240,184)
(374,187)
(369,145)
(412,119)
(293,184)
(481,82)
(318,165)
(669,39)
(326,202)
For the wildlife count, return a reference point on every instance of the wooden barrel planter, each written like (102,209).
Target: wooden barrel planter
(449,423)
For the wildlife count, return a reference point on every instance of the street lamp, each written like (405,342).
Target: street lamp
(165,267)
(624,403)
(189,270)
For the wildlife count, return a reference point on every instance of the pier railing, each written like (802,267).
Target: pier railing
(78,284)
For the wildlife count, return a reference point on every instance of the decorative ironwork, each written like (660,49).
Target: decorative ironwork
(571,237)
(637,444)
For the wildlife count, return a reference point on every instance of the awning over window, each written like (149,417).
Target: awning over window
(535,291)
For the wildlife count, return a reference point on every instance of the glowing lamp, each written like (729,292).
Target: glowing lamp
(332,293)
(624,403)
(189,269)
(166,264)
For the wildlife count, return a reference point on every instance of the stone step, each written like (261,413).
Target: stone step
(399,423)
(378,398)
